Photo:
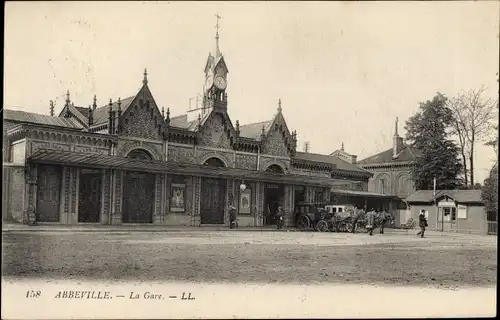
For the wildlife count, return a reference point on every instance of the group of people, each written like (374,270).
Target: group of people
(371,216)
(377,218)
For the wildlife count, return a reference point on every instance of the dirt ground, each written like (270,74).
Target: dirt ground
(395,258)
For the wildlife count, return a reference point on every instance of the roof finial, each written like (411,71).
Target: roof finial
(167,119)
(67,98)
(94,105)
(217,51)
(279,105)
(145,80)
(342,148)
(51,108)
(163,112)
(396,127)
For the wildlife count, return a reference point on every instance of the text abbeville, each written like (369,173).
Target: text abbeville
(98,295)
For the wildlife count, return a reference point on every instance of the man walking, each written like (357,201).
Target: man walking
(422,223)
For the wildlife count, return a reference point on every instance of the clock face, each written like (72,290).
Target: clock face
(220,82)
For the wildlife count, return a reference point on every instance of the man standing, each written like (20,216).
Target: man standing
(370,221)
(422,223)
(232,217)
(279,217)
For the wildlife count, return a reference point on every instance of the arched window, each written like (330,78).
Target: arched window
(139,154)
(214,162)
(275,169)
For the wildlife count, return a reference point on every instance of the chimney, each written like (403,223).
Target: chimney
(397,142)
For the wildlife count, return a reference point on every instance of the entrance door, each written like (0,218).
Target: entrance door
(89,204)
(273,198)
(138,197)
(49,185)
(212,200)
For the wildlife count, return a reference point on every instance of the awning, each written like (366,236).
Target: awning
(365,194)
(89,160)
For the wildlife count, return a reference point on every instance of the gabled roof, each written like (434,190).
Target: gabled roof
(179,121)
(405,155)
(460,196)
(254,130)
(101,114)
(338,163)
(83,111)
(29,117)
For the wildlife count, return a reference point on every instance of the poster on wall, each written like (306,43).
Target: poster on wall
(177,200)
(245,202)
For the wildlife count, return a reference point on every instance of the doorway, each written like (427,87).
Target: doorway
(212,200)
(49,186)
(138,197)
(89,204)
(273,198)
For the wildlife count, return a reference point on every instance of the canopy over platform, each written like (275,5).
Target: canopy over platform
(89,160)
(365,194)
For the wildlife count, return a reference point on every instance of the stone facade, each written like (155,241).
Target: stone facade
(134,132)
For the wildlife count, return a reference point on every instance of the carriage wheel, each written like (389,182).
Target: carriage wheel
(322,226)
(303,222)
(350,227)
(332,227)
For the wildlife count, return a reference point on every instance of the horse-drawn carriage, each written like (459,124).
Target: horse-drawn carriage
(337,218)
(321,217)
(308,215)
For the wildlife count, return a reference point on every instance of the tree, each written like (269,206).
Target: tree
(489,193)
(473,118)
(427,131)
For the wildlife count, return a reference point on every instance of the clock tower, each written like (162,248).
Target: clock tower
(214,91)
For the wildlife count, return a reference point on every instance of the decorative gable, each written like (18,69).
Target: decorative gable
(278,141)
(142,119)
(217,131)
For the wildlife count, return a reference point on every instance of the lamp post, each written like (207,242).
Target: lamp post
(243,186)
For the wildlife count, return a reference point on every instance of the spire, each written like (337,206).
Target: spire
(51,108)
(279,105)
(67,113)
(163,112)
(67,98)
(145,80)
(91,116)
(110,117)
(342,148)
(94,105)
(396,127)
(217,51)
(167,119)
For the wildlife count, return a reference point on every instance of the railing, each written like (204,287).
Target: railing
(492,227)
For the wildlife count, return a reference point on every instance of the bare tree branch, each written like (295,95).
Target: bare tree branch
(474,118)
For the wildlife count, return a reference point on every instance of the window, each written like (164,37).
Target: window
(340,209)
(450,213)
(319,196)
(382,185)
(462,212)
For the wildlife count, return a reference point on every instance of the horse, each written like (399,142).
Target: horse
(380,221)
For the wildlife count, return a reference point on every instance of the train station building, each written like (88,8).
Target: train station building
(128,161)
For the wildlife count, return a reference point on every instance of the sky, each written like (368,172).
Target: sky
(343,70)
